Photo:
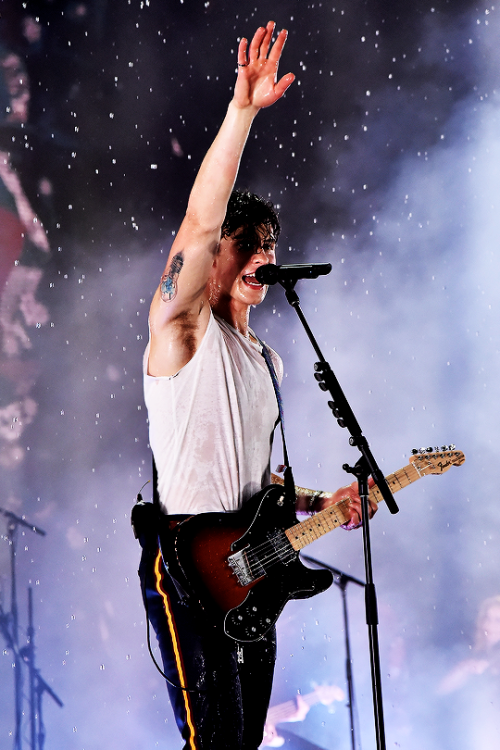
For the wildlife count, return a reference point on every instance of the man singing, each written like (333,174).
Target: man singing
(212,411)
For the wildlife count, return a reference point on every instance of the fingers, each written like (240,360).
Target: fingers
(242,52)
(261,42)
(354,507)
(284,83)
(266,41)
(278,45)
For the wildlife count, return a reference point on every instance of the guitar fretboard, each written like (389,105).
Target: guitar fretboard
(284,711)
(313,528)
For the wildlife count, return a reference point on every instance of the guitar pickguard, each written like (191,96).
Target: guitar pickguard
(241,566)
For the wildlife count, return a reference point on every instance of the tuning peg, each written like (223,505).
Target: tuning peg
(414,451)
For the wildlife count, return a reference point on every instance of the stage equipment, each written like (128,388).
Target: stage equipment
(341,580)
(364,467)
(24,655)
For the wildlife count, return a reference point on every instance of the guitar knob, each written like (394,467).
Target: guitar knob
(414,451)
(430,450)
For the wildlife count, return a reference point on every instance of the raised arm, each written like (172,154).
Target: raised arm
(180,311)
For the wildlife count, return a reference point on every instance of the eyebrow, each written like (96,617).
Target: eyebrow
(255,237)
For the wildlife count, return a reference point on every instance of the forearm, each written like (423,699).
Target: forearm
(256,87)
(306,500)
(346,499)
(198,237)
(217,174)
(460,674)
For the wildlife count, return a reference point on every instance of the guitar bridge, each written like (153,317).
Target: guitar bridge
(245,573)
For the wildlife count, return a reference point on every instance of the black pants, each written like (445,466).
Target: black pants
(228,684)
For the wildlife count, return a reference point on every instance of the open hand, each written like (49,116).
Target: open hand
(257,83)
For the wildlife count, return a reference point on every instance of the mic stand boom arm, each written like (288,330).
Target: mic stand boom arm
(365,466)
(339,405)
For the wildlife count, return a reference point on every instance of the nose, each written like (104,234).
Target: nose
(261,257)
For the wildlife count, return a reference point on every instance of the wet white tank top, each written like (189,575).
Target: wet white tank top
(211,425)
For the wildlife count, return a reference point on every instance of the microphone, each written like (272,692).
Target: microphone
(271,274)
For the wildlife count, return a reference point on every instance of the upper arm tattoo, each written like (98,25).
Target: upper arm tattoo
(168,284)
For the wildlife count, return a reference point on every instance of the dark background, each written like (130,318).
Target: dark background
(382,159)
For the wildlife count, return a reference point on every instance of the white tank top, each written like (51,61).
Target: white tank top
(211,425)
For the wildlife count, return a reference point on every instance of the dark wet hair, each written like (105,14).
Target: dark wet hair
(248,210)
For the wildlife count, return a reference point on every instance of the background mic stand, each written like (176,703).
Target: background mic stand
(363,468)
(37,685)
(341,580)
(9,625)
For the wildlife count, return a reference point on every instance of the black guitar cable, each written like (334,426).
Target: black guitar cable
(150,649)
(142,518)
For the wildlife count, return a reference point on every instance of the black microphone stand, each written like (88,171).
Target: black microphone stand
(364,467)
(37,685)
(9,624)
(341,580)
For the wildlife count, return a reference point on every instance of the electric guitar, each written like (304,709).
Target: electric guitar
(243,566)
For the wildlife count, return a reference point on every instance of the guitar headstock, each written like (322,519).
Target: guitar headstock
(436,460)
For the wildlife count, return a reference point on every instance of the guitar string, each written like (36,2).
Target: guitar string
(253,553)
(268,553)
(269,547)
(333,511)
(273,553)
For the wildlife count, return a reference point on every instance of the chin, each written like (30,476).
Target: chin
(257,299)
(252,296)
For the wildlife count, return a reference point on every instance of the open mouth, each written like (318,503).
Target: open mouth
(251,281)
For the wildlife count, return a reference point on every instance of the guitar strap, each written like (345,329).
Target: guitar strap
(288,474)
(156,494)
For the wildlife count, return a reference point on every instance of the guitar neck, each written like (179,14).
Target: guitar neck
(284,711)
(313,528)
